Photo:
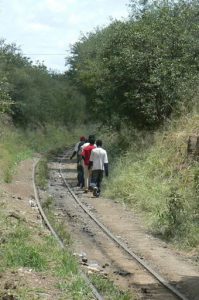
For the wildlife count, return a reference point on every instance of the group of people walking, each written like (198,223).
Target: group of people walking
(92,163)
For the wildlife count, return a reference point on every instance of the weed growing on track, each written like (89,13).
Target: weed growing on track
(78,289)
(59,225)
(109,290)
(42,175)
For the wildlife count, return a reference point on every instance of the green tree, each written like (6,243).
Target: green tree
(38,96)
(133,71)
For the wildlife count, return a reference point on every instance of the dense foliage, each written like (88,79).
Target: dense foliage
(33,95)
(135,71)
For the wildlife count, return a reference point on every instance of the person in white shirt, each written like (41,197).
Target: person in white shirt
(99,164)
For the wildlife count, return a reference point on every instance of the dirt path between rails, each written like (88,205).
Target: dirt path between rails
(91,243)
(15,198)
(173,265)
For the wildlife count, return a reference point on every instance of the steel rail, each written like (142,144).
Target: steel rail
(158,277)
(61,244)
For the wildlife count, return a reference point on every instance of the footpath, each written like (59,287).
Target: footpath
(18,205)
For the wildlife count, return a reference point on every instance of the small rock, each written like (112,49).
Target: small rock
(104,273)
(80,255)
(10,285)
(122,273)
(144,290)
(32,203)
(118,236)
(84,259)
(93,269)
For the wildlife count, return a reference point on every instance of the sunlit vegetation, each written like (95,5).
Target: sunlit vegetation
(142,70)
(18,144)
(109,289)
(33,95)
(30,249)
(140,79)
(157,178)
(38,108)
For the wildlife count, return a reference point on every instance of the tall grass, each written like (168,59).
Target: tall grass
(160,180)
(17,144)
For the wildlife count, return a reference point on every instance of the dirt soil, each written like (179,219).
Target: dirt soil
(175,266)
(178,268)
(16,202)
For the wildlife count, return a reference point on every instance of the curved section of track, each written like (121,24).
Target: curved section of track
(122,246)
(60,167)
(92,287)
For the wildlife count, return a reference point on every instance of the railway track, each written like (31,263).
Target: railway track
(90,234)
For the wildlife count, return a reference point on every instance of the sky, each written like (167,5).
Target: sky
(45,29)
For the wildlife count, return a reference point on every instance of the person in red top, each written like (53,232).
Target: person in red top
(86,157)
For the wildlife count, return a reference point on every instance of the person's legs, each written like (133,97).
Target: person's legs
(99,178)
(79,174)
(82,177)
(86,178)
(96,180)
(99,181)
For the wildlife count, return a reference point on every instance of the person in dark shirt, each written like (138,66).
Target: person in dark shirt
(80,171)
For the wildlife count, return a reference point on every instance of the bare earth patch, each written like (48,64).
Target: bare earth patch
(17,205)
